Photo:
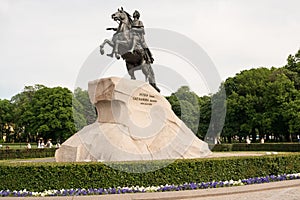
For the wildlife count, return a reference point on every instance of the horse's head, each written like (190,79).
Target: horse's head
(122,16)
(119,15)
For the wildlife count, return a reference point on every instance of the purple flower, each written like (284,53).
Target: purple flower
(137,189)
(193,186)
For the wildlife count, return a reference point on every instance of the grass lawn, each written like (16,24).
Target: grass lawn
(19,145)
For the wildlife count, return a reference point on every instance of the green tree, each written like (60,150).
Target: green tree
(173,100)
(79,118)
(235,117)
(50,114)
(205,116)
(21,112)
(292,117)
(281,95)
(246,104)
(263,102)
(218,114)
(88,109)
(185,105)
(6,118)
(39,111)
(293,62)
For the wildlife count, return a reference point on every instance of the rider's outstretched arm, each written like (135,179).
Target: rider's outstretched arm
(114,29)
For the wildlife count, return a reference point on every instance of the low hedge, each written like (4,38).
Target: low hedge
(220,147)
(280,147)
(26,153)
(41,176)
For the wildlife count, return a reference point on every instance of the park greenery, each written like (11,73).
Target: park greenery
(50,175)
(42,112)
(259,103)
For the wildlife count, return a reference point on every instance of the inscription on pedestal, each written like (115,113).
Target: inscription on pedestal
(145,99)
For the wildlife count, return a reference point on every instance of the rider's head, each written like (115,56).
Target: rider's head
(136,14)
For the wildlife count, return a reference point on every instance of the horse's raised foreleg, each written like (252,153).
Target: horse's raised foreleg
(106,41)
(112,44)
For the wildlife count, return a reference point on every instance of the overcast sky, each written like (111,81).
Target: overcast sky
(47,41)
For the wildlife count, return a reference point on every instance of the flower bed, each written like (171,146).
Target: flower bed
(162,188)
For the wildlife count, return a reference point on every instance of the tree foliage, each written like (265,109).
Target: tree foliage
(88,109)
(264,102)
(42,112)
(6,118)
(260,103)
(51,113)
(185,105)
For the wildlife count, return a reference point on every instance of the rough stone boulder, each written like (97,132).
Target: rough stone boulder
(134,122)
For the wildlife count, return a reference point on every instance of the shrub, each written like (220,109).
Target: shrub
(26,153)
(220,147)
(41,176)
(280,147)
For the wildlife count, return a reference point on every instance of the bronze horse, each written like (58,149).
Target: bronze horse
(122,43)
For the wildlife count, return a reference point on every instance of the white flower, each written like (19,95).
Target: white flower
(239,182)
(151,189)
(142,188)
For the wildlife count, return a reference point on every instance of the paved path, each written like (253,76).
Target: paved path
(267,191)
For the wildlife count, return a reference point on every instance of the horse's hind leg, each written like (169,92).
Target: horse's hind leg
(130,69)
(145,70)
(151,78)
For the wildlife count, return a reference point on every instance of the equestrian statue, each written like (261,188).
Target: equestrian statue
(128,42)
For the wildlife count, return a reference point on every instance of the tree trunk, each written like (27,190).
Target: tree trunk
(290,139)
(253,133)
(229,139)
